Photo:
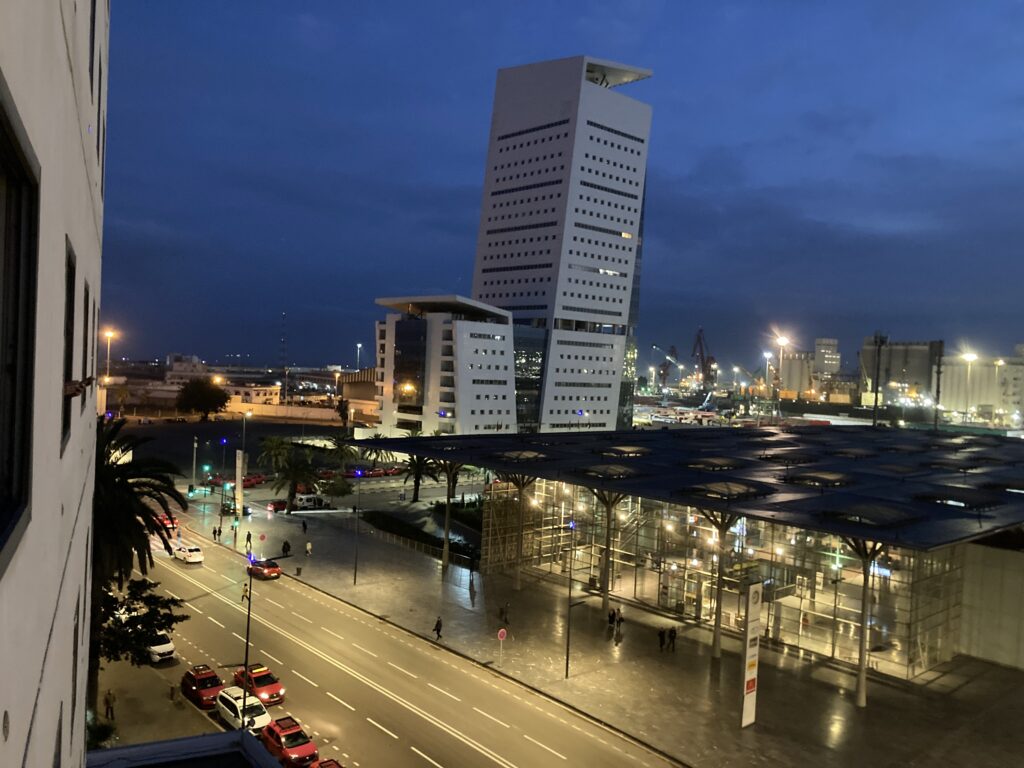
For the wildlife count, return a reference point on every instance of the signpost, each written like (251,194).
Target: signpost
(751,639)
(502,634)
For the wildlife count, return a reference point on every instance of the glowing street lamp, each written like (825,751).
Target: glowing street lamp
(767,362)
(968,357)
(783,342)
(359,352)
(218,380)
(998,393)
(110,333)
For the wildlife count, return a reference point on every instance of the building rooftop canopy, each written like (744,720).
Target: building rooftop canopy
(471,309)
(906,488)
(610,74)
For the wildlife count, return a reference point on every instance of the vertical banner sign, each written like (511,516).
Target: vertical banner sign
(239,470)
(750,648)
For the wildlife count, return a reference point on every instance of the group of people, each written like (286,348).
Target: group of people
(669,636)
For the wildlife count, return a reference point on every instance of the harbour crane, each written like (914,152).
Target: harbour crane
(706,363)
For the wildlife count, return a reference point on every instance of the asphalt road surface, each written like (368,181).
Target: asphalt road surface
(370,693)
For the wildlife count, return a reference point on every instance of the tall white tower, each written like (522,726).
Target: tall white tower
(560,236)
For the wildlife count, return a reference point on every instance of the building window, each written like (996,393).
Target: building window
(85,340)
(69,342)
(19,196)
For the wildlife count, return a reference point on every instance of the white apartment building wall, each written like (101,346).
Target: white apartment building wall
(463,381)
(53,83)
(560,228)
(995,384)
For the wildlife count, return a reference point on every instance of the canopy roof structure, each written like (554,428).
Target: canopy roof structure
(919,490)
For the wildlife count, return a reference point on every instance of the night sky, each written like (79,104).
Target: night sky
(824,169)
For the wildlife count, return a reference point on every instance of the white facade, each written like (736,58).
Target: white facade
(445,363)
(827,360)
(560,228)
(988,386)
(53,64)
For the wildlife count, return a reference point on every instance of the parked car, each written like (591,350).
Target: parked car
(309,501)
(397,470)
(169,521)
(200,685)
(215,481)
(253,479)
(260,682)
(161,648)
(229,707)
(188,554)
(325,474)
(277,505)
(288,743)
(264,569)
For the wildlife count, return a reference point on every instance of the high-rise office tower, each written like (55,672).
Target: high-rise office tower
(560,238)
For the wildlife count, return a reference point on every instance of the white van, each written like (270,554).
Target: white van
(309,501)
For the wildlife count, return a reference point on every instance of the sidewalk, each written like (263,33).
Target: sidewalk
(144,710)
(683,703)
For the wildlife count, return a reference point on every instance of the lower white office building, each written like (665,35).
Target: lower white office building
(445,364)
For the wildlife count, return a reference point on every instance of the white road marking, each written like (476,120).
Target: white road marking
(251,645)
(432,762)
(226,577)
(410,674)
(172,594)
(355,645)
(276,661)
(274,602)
(442,690)
(490,717)
(194,608)
(343,703)
(299,674)
(543,746)
(216,622)
(325,629)
(374,722)
(308,621)
(356,675)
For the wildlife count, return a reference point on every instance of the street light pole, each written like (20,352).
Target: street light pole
(109,334)
(359,352)
(969,358)
(355,560)
(195,447)
(568,609)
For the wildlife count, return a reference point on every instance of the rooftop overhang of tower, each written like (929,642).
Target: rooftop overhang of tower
(610,74)
(471,309)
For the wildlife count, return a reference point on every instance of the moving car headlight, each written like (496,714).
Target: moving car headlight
(264,695)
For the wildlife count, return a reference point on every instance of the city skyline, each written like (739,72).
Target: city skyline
(327,142)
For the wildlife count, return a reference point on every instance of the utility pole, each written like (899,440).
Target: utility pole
(880,341)
(938,383)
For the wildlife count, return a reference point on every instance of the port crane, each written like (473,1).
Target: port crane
(706,364)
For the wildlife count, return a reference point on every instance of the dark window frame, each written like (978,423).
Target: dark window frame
(70,294)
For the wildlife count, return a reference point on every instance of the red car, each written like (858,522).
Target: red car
(253,479)
(261,683)
(394,470)
(277,505)
(288,743)
(215,481)
(325,474)
(200,685)
(169,521)
(264,569)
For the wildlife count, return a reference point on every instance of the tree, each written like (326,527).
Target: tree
(134,621)
(418,467)
(342,409)
(451,471)
(342,452)
(129,495)
(376,455)
(275,452)
(203,397)
(336,487)
(297,469)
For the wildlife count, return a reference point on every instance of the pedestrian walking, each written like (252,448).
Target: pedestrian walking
(437,627)
(245,593)
(215,533)
(661,639)
(611,617)
(672,639)
(507,611)
(248,538)
(109,699)
(286,548)
(303,526)
(618,619)
(309,549)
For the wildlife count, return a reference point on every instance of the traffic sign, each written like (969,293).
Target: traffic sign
(502,633)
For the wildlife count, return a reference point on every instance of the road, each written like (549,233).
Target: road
(368,692)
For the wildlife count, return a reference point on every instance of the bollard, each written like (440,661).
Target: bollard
(174,690)
(298,570)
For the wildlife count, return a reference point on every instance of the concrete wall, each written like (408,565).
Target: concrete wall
(57,115)
(992,615)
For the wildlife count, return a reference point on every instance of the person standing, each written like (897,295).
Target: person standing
(109,699)
(672,639)
(309,549)
(286,548)
(248,539)
(245,593)
(215,533)
(618,619)
(303,527)
(661,640)
(437,628)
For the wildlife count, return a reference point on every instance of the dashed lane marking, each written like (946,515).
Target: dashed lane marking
(429,760)
(543,746)
(216,622)
(442,690)
(299,615)
(325,629)
(172,594)
(490,717)
(194,608)
(299,674)
(276,661)
(343,703)
(251,645)
(406,671)
(274,602)
(371,721)
(356,645)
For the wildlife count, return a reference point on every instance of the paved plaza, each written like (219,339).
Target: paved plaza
(682,703)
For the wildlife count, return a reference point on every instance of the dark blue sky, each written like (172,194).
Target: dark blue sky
(827,169)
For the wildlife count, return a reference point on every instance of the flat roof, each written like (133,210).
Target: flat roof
(913,489)
(611,74)
(453,303)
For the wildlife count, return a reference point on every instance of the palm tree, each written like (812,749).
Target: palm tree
(342,452)
(296,470)
(130,494)
(418,467)
(451,471)
(276,451)
(376,455)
